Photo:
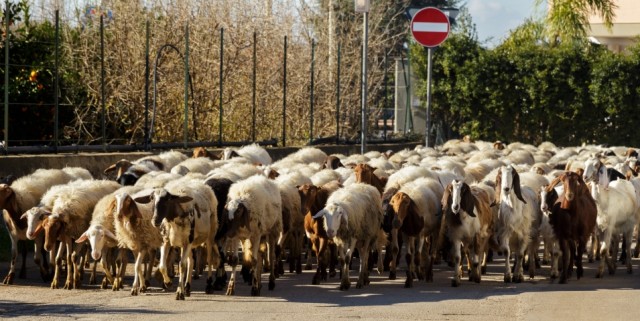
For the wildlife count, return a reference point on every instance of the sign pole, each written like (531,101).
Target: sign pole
(429,56)
(363,132)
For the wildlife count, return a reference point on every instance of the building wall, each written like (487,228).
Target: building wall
(626,26)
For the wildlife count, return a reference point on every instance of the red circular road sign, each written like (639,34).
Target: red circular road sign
(430,27)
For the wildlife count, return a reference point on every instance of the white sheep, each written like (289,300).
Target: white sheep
(324,176)
(292,225)
(102,238)
(517,209)
(23,194)
(416,211)
(128,172)
(201,165)
(135,231)
(352,218)
(187,210)
(254,207)
(68,211)
(254,153)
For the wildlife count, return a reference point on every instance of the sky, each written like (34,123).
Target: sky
(494,18)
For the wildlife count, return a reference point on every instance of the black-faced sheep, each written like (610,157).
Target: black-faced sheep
(187,210)
(127,172)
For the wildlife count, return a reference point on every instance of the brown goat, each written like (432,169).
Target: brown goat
(202,152)
(364,174)
(573,218)
(313,200)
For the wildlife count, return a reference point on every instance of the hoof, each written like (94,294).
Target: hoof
(231,289)
(255,291)
(105,284)
(345,285)
(332,273)
(167,285)
(54,284)
(147,283)
(599,274)
(612,269)
(507,279)
(92,280)
(455,283)
(67,285)
(630,271)
(272,285)
(299,268)
(392,275)
(408,283)
(518,279)
(315,280)
(187,290)
(308,267)
(483,270)
(179,296)
(134,291)
(9,278)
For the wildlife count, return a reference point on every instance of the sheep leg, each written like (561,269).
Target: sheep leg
(58,266)
(636,251)
(519,260)
(213,259)
(271,254)
(191,265)
(162,265)
(318,244)
(256,264)
(104,261)
(363,278)
(333,259)
(233,262)
(135,287)
(411,248)
(394,254)
(628,235)
(121,268)
(185,252)
(297,251)
(605,238)
(308,252)
(347,255)
(566,260)
(40,259)
(504,244)
(14,255)
(70,261)
(457,262)
(613,253)
(533,255)
(555,254)
(78,267)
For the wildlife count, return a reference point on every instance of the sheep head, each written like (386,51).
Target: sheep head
(308,194)
(400,204)
(462,198)
(238,214)
(334,215)
(53,229)
(166,205)
(97,237)
(35,216)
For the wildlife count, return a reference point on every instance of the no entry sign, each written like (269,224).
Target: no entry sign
(430,27)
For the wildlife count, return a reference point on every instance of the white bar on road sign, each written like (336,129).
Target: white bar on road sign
(430,27)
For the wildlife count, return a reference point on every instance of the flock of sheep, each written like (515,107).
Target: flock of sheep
(462,199)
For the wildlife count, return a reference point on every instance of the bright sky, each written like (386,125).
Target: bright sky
(494,18)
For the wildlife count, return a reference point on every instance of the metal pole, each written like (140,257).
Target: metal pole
(221,62)
(429,53)
(363,131)
(6,77)
(146,91)
(56,83)
(313,51)
(102,91)
(386,92)
(186,86)
(338,98)
(253,109)
(284,96)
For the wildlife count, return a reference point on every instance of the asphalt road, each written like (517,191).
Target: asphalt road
(615,297)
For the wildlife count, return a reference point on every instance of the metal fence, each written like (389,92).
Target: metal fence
(345,119)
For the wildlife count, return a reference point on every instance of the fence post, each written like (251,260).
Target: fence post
(221,64)
(253,110)
(6,77)
(313,52)
(186,86)
(146,90)
(338,99)
(284,96)
(386,92)
(102,94)
(56,83)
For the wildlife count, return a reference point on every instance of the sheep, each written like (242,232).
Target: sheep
(202,152)
(292,225)
(548,197)
(156,179)
(254,153)
(135,231)
(127,172)
(67,210)
(352,218)
(516,212)
(187,210)
(324,176)
(307,155)
(468,221)
(332,162)
(23,194)
(101,235)
(313,199)
(254,207)
(415,214)
(365,174)
(201,165)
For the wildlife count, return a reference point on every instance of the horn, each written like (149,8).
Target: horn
(320,214)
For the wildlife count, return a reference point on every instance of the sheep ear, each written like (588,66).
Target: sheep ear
(82,238)
(143,199)
(110,235)
(183,199)
(39,229)
(24,215)
(320,214)
(498,186)
(446,195)
(110,169)
(516,186)
(468,200)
